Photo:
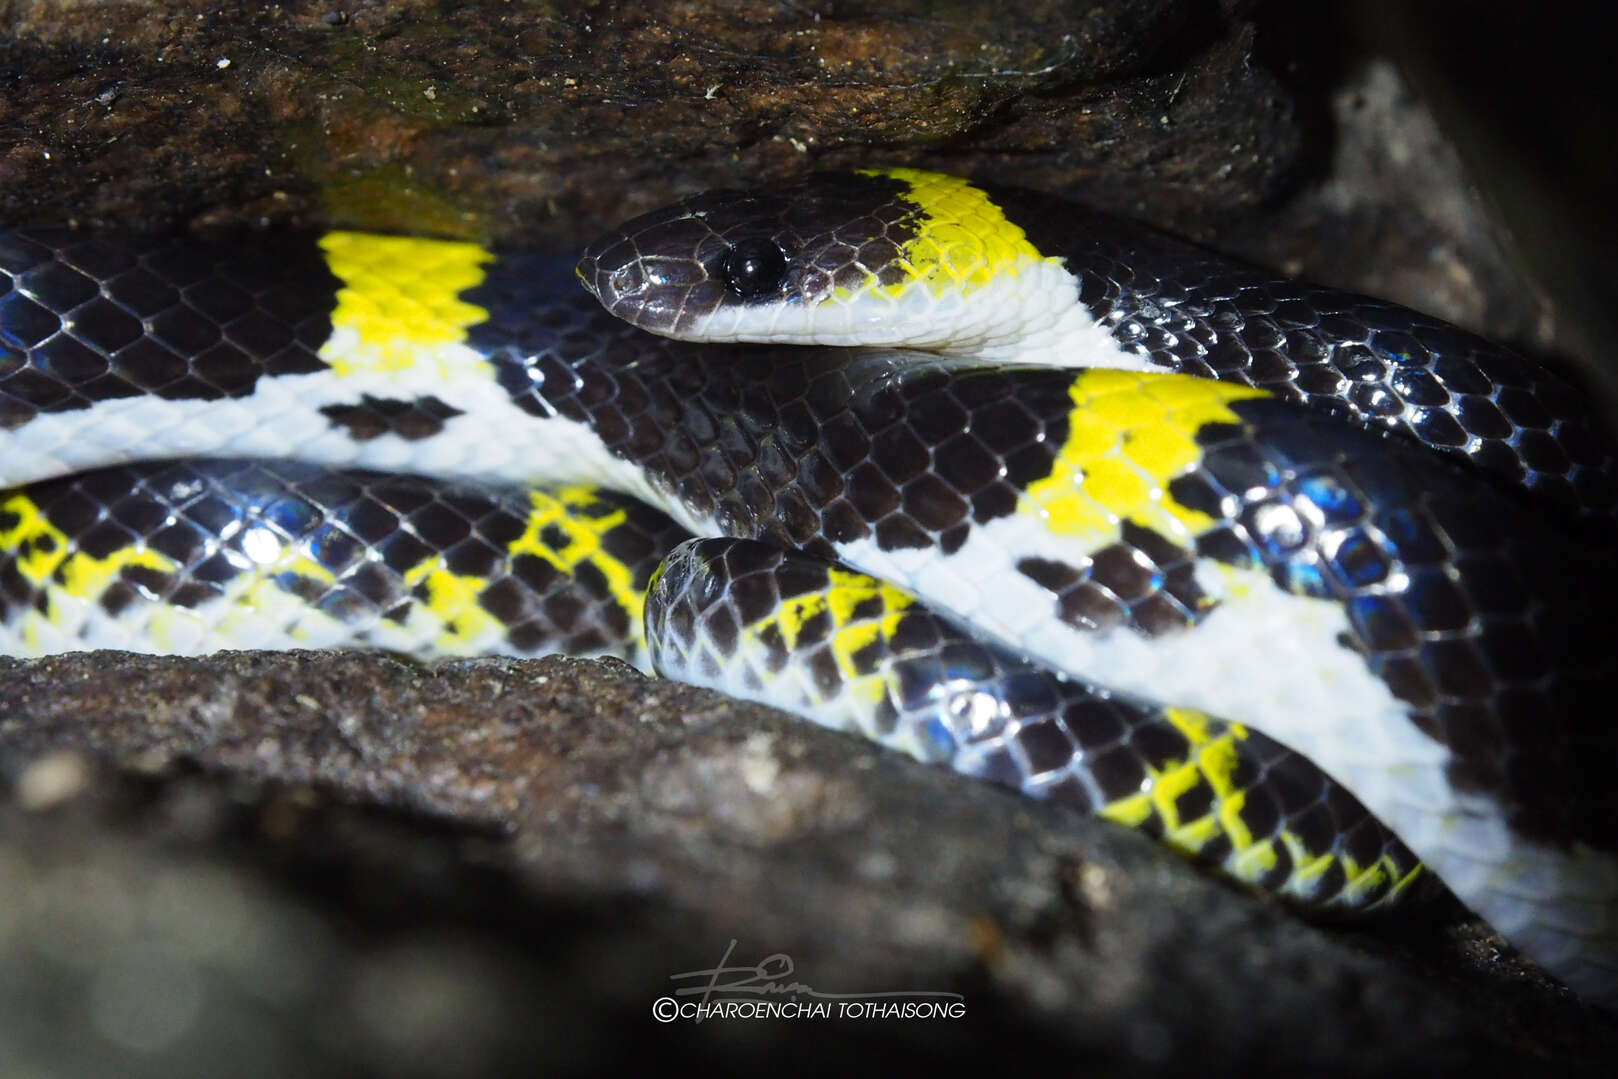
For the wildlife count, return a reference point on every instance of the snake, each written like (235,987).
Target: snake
(1302,583)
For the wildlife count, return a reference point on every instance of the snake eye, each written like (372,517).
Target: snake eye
(753,268)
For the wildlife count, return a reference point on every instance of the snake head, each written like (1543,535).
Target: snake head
(735,265)
(893,257)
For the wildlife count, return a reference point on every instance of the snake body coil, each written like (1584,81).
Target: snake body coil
(1222,559)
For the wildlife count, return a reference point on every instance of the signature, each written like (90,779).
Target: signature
(772,976)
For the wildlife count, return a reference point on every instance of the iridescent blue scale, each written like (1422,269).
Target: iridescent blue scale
(1358,561)
(1336,502)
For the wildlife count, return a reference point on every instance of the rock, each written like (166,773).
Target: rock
(346,861)
(512,120)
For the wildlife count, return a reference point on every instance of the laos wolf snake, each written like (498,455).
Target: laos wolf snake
(330,440)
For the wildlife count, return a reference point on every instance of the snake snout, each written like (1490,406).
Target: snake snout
(610,270)
(656,292)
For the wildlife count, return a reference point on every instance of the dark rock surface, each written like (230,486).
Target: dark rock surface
(339,863)
(563,119)
(345,865)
